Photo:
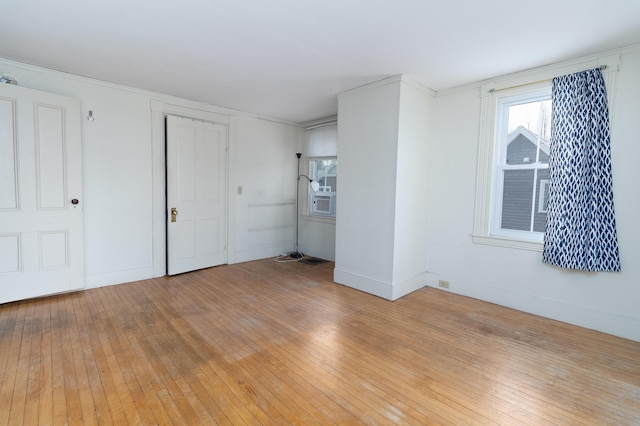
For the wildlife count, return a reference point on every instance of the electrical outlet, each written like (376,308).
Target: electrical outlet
(443,284)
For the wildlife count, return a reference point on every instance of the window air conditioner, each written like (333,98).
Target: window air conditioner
(323,204)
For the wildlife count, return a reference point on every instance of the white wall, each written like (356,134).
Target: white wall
(367,146)
(266,170)
(517,278)
(118,176)
(411,206)
(318,235)
(380,222)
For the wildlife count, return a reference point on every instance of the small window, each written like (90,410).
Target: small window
(321,151)
(323,201)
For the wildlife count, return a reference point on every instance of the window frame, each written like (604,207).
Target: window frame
(307,195)
(544,184)
(311,194)
(514,84)
(500,165)
(491,159)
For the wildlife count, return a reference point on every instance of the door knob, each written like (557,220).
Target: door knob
(74,201)
(174,213)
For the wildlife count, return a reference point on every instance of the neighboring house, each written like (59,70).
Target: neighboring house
(522,149)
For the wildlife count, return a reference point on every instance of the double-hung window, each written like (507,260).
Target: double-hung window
(513,172)
(323,168)
(512,185)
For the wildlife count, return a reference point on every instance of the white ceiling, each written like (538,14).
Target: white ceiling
(288,59)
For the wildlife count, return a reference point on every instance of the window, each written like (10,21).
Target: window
(514,176)
(325,172)
(522,162)
(321,151)
(543,196)
(512,188)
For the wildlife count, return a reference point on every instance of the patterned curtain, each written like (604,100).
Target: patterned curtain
(581,227)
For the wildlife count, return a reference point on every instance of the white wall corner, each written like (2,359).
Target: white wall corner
(378,288)
(418,86)
(407,286)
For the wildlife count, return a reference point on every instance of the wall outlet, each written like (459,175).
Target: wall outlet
(443,284)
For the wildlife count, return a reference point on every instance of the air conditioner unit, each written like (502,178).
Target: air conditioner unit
(323,204)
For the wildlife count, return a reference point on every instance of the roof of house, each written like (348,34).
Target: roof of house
(520,130)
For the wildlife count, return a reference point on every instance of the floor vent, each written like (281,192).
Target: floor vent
(313,260)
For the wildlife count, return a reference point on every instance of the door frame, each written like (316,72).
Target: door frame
(159,110)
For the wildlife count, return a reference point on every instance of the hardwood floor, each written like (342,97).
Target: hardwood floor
(270,343)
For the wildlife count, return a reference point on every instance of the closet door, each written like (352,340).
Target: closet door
(196,194)
(41,220)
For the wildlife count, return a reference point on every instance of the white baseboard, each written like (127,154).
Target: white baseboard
(582,316)
(378,288)
(321,252)
(118,277)
(260,253)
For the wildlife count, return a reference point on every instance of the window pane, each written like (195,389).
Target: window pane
(325,173)
(529,131)
(517,196)
(541,199)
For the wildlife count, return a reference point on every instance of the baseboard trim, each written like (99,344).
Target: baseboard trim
(378,288)
(118,277)
(583,316)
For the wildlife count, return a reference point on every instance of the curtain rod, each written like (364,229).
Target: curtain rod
(601,68)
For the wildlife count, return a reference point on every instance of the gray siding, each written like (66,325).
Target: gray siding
(521,149)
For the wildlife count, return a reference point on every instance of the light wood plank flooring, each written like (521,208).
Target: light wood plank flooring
(269,343)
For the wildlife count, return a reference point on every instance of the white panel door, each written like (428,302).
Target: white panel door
(196,194)
(41,221)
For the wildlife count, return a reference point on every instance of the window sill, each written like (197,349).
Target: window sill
(318,219)
(508,242)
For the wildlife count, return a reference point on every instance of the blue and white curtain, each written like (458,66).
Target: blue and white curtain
(581,226)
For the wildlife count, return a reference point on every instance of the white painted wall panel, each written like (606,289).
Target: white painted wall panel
(318,238)
(265,169)
(186,167)
(381,228)
(367,151)
(53,249)
(51,185)
(208,154)
(186,239)
(9,253)
(412,202)
(8,167)
(209,227)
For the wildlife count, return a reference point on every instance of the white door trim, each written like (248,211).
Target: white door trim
(159,110)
